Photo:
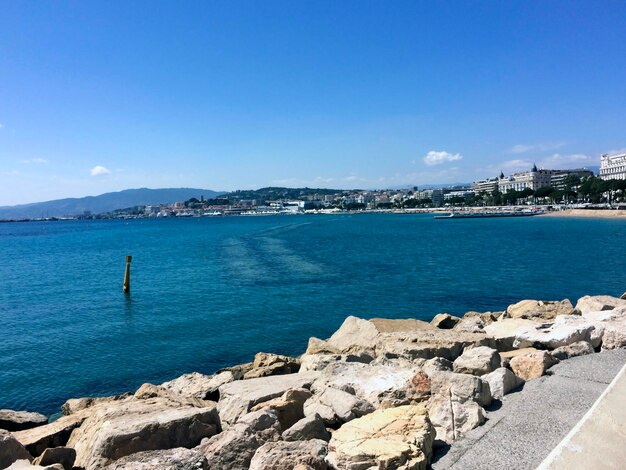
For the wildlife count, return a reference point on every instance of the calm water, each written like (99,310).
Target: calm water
(211,292)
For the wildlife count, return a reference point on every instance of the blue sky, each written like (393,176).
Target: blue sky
(102,96)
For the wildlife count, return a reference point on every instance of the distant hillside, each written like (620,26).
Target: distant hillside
(104,203)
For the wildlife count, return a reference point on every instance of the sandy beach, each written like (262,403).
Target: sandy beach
(601,214)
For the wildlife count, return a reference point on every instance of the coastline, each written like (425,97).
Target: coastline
(588,213)
(377,392)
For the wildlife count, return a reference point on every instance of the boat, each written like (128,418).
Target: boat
(489,214)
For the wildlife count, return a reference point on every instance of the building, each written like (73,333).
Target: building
(613,167)
(533,179)
(485,186)
(437,197)
(558,179)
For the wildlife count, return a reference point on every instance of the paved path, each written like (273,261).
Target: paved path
(532,422)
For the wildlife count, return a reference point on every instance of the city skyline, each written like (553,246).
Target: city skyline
(97,98)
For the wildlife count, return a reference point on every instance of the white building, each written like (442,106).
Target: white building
(533,179)
(487,186)
(613,167)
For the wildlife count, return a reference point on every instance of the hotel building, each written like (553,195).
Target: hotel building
(613,167)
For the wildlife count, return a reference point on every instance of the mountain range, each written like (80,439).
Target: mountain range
(104,203)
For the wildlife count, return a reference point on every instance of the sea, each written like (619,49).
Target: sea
(211,292)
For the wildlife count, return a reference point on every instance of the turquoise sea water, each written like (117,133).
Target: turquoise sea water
(211,292)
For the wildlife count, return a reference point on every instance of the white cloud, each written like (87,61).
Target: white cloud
(524,148)
(1,125)
(99,171)
(35,160)
(437,158)
(557,161)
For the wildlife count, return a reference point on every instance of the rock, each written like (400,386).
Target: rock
(237,398)
(504,331)
(539,309)
(320,346)
(74,405)
(444,321)
(126,427)
(355,335)
(309,427)
(598,303)
(62,455)
(178,458)
(506,356)
(336,406)
(54,434)
(594,321)
(288,407)
(19,420)
(532,365)
(285,455)
(234,448)
(614,334)
(470,325)
(266,364)
(477,361)
(406,325)
(199,386)
(11,450)
(26,465)
(456,404)
(421,386)
(394,438)
(436,364)
(238,371)
(316,362)
(487,317)
(578,348)
(553,336)
(623,296)
(501,381)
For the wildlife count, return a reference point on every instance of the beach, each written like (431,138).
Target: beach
(589,213)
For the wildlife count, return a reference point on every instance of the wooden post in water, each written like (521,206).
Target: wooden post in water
(126,287)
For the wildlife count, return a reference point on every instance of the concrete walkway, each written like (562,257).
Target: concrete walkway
(530,423)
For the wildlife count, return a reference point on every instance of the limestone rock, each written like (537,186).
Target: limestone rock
(288,407)
(61,455)
(238,398)
(405,325)
(309,427)
(317,362)
(54,434)
(504,331)
(506,356)
(614,334)
(178,458)
(266,364)
(283,455)
(234,448)
(11,450)
(444,321)
(199,386)
(597,303)
(623,296)
(238,371)
(127,427)
(19,420)
(436,364)
(320,346)
(336,406)
(578,348)
(594,321)
(477,361)
(470,325)
(75,405)
(501,381)
(399,438)
(553,336)
(540,309)
(487,317)
(532,365)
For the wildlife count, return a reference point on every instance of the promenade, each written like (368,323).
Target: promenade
(522,432)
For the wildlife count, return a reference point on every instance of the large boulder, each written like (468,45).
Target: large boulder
(288,407)
(614,334)
(445,321)
(506,356)
(539,309)
(54,434)
(470,325)
(336,406)
(554,336)
(354,336)
(578,348)
(502,333)
(127,427)
(238,398)
(501,381)
(532,365)
(455,406)
(309,427)
(66,456)
(283,455)
(19,420)
(486,317)
(11,450)
(266,364)
(76,405)
(477,361)
(399,438)
(199,386)
(234,448)
(597,303)
(317,362)
(179,458)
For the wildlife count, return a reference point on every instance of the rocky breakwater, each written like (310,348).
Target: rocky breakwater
(377,394)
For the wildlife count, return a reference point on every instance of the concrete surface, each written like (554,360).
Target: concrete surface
(530,423)
(598,440)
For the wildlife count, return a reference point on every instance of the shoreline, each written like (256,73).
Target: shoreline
(378,391)
(588,213)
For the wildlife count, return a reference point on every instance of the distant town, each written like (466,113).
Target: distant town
(537,186)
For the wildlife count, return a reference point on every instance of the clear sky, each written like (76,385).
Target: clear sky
(99,96)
